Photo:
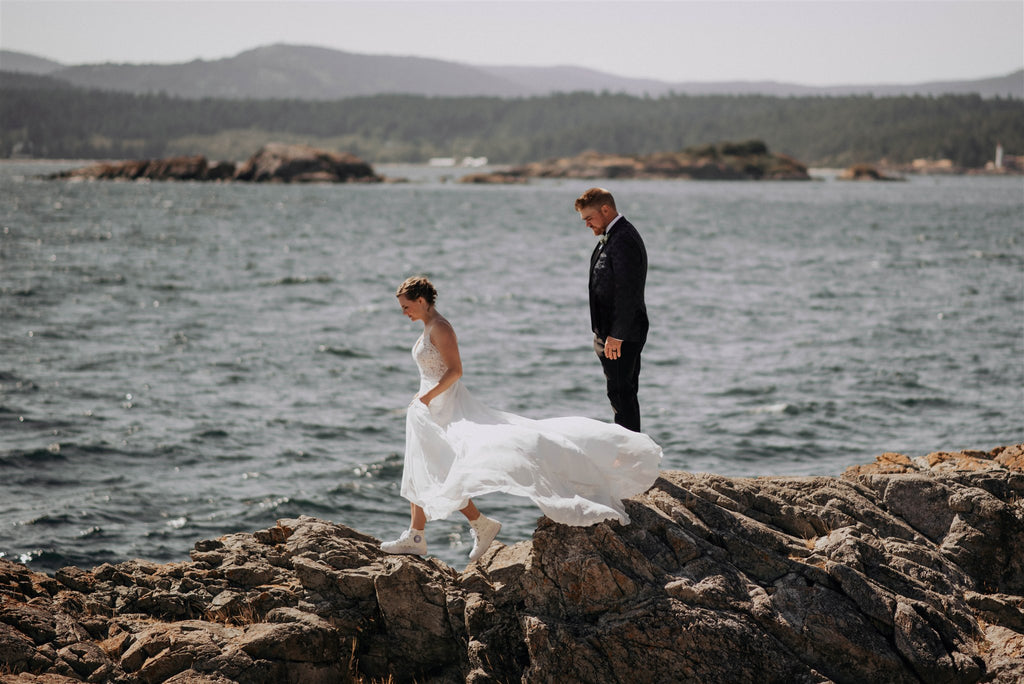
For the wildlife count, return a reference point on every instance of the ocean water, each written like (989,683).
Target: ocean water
(182,361)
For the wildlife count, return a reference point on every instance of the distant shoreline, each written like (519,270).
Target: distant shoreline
(819,173)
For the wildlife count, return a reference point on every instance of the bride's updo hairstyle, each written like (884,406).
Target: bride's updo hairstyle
(415,287)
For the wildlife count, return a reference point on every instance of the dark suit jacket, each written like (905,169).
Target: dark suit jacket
(618,272)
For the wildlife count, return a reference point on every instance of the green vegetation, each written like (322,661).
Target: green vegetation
(44,118)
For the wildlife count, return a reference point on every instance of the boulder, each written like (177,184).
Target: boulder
(904,570)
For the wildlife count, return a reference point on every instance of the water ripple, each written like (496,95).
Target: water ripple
(178,362)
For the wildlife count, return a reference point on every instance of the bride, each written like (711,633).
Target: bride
(577,470)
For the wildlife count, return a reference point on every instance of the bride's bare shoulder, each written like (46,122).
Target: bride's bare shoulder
(441,332)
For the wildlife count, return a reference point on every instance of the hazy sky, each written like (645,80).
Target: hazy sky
(812,43)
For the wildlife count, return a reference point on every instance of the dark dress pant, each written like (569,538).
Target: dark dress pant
(623,376)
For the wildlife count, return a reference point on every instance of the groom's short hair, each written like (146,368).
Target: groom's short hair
(595,197)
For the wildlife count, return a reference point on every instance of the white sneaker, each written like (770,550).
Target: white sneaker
(484,530)
(411,542)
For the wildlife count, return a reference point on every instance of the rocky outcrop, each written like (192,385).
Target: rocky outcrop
(274,163)
(865,172)
(906,570)
(749,160)
(175,168)
(279,163)
(510,177)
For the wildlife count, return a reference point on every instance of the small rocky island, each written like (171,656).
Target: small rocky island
(904,570)
(749,160)
(273,163)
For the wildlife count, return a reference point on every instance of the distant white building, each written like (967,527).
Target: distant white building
(472,162)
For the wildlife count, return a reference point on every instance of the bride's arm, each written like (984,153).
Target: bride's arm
(442,336)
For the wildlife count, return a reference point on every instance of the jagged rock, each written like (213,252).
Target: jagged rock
(18,651)
(905,570)
(87,660)
(76,578)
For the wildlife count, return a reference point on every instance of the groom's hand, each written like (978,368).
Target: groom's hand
(612,348)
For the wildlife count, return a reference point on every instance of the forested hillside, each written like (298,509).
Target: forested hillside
(43,118)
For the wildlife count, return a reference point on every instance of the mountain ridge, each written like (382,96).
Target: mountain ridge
(283,71)
(25,63)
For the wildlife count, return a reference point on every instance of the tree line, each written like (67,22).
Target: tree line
(45,118)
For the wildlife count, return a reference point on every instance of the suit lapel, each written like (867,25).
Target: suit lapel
(594,255)
(600,247)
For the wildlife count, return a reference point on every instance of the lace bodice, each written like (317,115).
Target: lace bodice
(429,360)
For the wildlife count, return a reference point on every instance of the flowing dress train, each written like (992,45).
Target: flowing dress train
(576,470)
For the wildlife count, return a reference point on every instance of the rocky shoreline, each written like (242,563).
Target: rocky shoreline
(905,570)
(749,160)
(273,163)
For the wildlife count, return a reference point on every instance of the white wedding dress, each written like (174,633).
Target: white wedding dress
(577,470)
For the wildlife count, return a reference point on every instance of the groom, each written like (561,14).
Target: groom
(618,315)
